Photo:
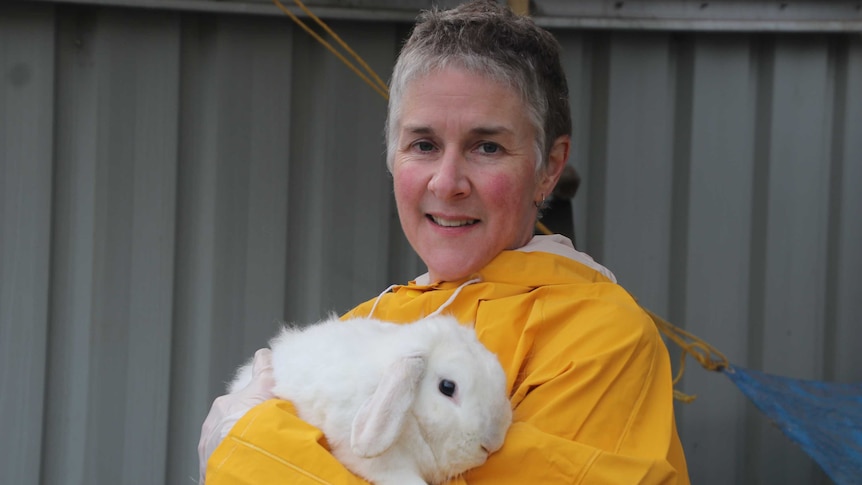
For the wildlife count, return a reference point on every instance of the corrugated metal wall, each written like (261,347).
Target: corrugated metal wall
(175,183)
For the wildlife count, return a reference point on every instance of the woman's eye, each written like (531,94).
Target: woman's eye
(424,146)
(489,148)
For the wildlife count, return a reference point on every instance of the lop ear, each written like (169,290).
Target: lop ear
(378,422)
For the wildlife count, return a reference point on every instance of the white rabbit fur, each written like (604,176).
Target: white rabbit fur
(374,389)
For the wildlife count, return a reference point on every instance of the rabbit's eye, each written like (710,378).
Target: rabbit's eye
(447,387)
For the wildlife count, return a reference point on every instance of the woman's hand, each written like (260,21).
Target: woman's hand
(228,409)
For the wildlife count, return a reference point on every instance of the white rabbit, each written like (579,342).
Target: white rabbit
(399,404)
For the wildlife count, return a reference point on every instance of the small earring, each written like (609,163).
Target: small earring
(539,203)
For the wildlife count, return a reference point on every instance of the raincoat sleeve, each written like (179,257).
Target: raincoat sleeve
(271,445)
(593,404)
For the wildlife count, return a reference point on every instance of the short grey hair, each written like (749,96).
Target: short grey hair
(487,39)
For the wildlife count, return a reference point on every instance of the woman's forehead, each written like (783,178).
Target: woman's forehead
(455,76)
(482,104)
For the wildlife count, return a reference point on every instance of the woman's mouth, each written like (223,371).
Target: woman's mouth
(441,221)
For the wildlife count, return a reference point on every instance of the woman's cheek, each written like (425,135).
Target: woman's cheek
(503,190)
(407,183)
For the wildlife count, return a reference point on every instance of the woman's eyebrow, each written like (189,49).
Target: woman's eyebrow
(491,130)
(418,129)
(479,130)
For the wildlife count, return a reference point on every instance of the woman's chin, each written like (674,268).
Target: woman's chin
(453,269)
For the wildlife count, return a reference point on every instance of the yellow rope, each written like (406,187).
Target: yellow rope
(705,354)
(377,84)
(543,229)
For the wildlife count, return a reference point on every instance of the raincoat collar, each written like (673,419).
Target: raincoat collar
(553,244)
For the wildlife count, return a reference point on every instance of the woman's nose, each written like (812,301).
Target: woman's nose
(449,180)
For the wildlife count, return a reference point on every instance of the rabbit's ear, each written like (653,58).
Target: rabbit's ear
(379,420)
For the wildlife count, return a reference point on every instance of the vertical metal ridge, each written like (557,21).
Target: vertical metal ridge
(598,141)
(763,58)
(838,74)
(682,48)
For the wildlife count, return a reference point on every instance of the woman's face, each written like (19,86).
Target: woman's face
(464,171)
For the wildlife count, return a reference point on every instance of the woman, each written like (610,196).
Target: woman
(478,134)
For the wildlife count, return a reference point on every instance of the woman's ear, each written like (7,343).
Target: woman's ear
(556,162)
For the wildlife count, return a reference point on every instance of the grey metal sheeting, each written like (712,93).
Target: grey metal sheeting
(173,183)
(665,15)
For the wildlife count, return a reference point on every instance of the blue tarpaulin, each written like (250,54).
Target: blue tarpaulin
(824,418)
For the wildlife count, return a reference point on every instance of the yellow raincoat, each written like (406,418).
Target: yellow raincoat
(588,375)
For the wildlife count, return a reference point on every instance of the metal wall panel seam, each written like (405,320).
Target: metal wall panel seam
(27,50)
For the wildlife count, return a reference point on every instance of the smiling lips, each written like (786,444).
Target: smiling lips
(452,222)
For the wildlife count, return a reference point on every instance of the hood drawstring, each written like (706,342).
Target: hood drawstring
(454,295)
(377,300)
(436,312)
